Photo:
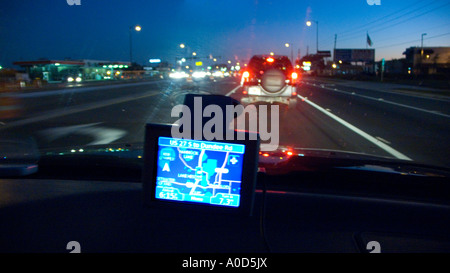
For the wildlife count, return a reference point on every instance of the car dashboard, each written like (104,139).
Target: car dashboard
(326,210)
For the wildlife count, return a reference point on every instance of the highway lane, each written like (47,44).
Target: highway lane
(121,111)
(418,126)
(394,94)
(118,114)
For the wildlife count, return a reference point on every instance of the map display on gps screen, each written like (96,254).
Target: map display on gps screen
(199,171)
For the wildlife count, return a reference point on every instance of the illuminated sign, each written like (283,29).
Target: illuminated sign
(354,55)
(155,61)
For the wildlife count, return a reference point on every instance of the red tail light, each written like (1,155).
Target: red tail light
(270,60)
(294,94)
(246,74)
(294,75)
(244,92)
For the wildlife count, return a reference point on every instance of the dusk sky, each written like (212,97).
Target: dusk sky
(232,29)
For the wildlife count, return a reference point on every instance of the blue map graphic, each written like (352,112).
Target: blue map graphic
(199,171)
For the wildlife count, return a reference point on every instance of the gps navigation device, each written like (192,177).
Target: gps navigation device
(199,174)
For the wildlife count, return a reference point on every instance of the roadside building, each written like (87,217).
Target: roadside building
(428,60)
(51,70)
(62,70)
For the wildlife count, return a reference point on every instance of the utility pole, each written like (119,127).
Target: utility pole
(131,48)
(317,37)
(334,51)
(335,40)
(292,55)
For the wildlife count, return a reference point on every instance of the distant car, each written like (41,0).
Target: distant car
(73,78)
(270,79)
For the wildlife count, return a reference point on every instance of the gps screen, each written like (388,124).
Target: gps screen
(199,171)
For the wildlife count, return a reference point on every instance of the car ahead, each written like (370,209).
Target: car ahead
(73,79)
(269,79)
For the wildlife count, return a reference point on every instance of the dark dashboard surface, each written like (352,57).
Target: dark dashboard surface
(335,211)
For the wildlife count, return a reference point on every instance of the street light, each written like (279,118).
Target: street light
(309,23)
(292,51)
(136,28)
(421,45)
(421,52)
(182,46)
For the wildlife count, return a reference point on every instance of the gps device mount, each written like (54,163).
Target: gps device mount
(199,174)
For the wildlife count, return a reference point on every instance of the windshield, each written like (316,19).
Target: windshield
(366,77)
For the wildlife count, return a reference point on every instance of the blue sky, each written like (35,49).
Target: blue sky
(232,29)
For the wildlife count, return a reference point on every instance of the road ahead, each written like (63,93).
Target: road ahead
(333,116)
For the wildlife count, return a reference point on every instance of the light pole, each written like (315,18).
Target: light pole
(292,52)
(184,54)
(185,47)
(421,44)
(136,28)
(421,52)
(309,23)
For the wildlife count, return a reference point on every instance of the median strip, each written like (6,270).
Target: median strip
(74,90)
(232,91)
(75,109)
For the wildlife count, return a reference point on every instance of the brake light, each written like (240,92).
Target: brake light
(294,94)
(270,60)
(244,92)
(246,74)
(294,75)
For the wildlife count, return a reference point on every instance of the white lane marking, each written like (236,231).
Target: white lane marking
(232,91)
(101,135)
(382,139)
(389,102)
(75,109)
(358,131)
